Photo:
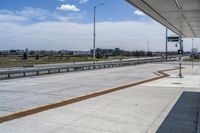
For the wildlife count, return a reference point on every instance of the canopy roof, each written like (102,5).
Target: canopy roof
(181,16)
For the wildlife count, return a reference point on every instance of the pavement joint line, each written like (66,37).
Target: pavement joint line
(61,103)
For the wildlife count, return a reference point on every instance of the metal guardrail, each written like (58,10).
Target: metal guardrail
(7,74)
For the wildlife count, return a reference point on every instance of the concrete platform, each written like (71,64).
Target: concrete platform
(22,94)
(140,109)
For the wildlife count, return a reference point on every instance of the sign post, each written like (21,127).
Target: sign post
(180,55)
(180,51)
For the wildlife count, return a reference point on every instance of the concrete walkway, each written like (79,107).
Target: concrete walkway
(22,94)
(140,109)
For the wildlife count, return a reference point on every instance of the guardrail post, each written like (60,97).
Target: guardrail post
(8,75)
(37,73)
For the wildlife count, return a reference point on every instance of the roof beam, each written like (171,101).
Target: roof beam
(186,14)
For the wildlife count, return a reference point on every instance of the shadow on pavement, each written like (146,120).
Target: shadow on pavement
(183,118)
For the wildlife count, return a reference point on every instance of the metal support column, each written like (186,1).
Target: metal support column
(180,58)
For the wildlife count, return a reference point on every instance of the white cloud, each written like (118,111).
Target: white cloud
(65,35)
(24,15)
(62,34)
(80,1)
(64,18)
(83,1)
(11,18)
(68,7)
(36,13)
(139,13)
(33,15)
(129,35)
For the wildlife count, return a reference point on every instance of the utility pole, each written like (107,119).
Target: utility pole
(94,35)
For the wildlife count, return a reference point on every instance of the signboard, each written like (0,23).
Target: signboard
(173,39)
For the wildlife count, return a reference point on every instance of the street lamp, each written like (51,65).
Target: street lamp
(94,35)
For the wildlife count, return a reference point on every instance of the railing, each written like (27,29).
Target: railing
(35,71)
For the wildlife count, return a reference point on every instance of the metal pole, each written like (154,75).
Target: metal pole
(180,59)
(166,48)
(94,35)
(192,52)
(180,71)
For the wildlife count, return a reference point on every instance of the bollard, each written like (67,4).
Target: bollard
(24,74)
(8,75)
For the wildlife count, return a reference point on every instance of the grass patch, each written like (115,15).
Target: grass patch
(191,59)
(17,61)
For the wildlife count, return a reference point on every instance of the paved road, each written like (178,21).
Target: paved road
(20,94)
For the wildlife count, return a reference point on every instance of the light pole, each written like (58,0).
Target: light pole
(94,35)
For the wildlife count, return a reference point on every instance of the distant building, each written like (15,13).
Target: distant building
(5,52)
(194,51)
(83,53)
(108,52)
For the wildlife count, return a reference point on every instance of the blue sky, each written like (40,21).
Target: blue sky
(113,10)
(67,24)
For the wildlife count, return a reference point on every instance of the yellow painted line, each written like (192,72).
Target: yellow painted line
(38,109)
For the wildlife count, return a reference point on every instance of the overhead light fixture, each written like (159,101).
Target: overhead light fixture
(177,3)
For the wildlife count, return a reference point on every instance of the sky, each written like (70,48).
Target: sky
(68,24)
